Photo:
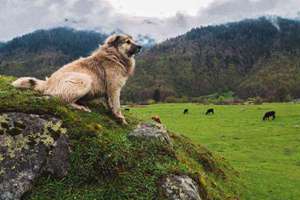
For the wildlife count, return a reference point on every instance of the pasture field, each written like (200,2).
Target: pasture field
(266,153)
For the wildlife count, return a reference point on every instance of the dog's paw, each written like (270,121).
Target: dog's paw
(86,109)
(79,107)
(124,122)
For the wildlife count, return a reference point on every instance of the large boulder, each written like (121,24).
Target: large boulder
(30,145)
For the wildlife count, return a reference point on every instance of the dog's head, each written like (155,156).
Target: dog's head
(124,44)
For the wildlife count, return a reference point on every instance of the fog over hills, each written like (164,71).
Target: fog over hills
(106,16)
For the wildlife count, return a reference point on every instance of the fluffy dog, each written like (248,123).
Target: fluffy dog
(104,72)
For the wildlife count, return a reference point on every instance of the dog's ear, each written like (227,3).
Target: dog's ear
(113,40)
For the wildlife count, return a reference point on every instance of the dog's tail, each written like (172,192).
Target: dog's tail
(30,83)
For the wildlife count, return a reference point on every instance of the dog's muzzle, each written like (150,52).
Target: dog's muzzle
(134,50)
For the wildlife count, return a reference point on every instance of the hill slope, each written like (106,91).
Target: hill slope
(106,161)
(42,52)
(252,58)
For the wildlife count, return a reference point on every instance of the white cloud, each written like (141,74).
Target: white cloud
(22,16)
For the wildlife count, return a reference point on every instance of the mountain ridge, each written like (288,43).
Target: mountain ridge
(221,58)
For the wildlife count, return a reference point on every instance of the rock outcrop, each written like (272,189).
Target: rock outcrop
(30,145)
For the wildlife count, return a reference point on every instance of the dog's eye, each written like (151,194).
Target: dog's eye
(128,41)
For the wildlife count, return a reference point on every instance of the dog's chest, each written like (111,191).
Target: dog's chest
(101,86)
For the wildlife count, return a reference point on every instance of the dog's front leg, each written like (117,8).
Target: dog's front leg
(113,98)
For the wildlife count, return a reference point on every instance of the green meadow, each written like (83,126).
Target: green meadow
(265,153)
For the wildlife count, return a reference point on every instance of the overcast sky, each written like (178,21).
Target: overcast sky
(159,19)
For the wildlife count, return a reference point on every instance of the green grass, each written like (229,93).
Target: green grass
(106,164)
(266,153)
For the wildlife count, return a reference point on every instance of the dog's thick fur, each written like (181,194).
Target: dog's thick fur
(104,72)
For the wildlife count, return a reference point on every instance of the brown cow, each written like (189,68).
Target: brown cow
(156,119)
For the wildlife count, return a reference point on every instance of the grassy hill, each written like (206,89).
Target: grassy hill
(105,163)
(266,153)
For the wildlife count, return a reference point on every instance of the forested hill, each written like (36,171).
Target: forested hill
(256,57)
(43,51)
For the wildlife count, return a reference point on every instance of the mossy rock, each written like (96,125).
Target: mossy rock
(30,145)
(106,163)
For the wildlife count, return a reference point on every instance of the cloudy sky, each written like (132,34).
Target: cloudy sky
(159,19)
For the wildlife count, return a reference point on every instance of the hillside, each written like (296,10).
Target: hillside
(255,57)
(50,151)
(42,52)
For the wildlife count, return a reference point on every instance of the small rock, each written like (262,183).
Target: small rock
(151,131)
(180,187)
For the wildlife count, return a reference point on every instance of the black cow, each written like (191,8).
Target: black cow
(268,115)
(186,111)
(210,111)
(127,109)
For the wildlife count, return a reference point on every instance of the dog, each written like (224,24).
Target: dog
(156,118)
(210,111)
(186,111)
(104,72)
(268,115)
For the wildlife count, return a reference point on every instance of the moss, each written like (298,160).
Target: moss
(14,141)
(15,144)
(105,163)
(1,157)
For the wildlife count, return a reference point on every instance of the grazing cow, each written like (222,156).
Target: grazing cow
(210,111)
(186,111)
(268,115)
(156,118)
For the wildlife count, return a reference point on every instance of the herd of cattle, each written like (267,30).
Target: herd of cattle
(211,111)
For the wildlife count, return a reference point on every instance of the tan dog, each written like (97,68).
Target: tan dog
(104,72)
